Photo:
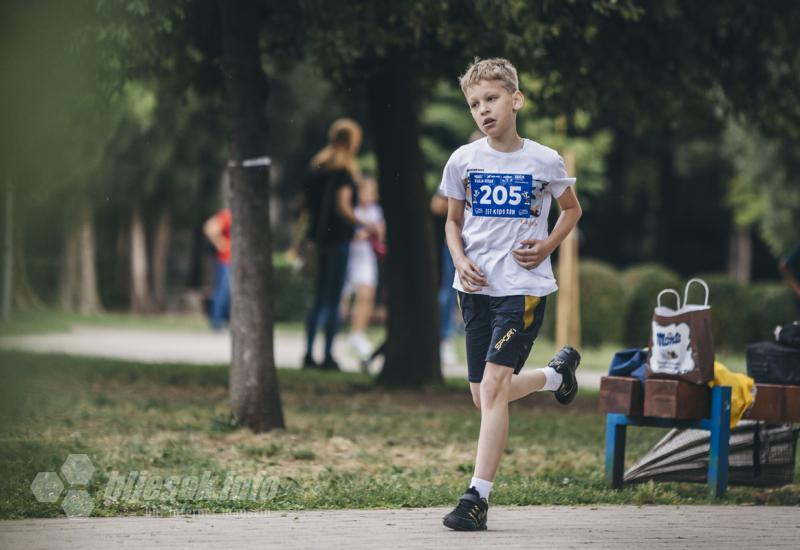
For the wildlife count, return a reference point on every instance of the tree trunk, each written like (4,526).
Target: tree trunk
(24,297)
(88,299)
(412,348)
(122,269)
(160,259)
(8,253)
(254,396)
(78,280)
(68,281)
(140,290)
(740,254)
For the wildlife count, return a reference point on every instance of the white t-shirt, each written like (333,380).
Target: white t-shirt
(511,193)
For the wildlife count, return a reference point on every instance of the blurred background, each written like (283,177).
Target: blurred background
(118,120)
(683,118)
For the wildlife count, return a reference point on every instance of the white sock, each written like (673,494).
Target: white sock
(482,486)
(552,379)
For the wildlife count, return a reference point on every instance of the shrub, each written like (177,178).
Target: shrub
(729,310)
(769,305)
(292,291)
(601,301)
(641,284)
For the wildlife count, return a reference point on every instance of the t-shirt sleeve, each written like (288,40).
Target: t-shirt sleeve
(451,185)
(559,179)
(223,218)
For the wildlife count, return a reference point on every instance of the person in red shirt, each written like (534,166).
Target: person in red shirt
(218,230)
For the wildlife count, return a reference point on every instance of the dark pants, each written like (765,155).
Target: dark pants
(447,294)
(331,272)
(221,299)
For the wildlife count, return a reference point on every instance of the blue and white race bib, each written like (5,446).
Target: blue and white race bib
(501,195)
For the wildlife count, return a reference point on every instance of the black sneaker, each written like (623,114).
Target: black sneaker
(330,364)
(564,363)
(470,514)
(309,363)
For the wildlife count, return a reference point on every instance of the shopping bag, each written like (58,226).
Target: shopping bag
(681,340)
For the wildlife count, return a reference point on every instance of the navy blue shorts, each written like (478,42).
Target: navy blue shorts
(499,329)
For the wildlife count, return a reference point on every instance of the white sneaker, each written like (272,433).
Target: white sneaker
(361,345)
(447,354)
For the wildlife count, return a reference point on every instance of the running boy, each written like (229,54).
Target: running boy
(499,190)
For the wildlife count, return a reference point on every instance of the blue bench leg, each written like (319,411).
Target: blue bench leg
(720,440)
(615,449)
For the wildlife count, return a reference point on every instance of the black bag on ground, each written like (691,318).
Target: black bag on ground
(771,363)
(788,335)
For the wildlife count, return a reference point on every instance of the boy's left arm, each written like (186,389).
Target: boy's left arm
(532,252)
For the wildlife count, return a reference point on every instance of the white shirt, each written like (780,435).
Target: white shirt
(512,194)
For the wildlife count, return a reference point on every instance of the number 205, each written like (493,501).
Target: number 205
(500,195)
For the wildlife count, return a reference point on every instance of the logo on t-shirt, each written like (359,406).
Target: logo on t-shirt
(505,195)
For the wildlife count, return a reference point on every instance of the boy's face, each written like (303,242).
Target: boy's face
(493,107)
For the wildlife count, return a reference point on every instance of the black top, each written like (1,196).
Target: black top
(325,222)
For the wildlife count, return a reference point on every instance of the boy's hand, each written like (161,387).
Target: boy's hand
(470,275)
(532,253)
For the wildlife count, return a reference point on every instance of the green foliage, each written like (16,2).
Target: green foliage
(729,310)
(642,284)
(602,303)
(763,191)
(292,291)
(769,305)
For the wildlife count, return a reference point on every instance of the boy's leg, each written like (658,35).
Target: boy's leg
(495,390)
(526,383)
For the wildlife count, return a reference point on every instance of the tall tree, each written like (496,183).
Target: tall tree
(254,397)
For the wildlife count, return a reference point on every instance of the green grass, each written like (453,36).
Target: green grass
(347,443)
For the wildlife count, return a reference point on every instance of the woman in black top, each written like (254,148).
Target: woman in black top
(330,195)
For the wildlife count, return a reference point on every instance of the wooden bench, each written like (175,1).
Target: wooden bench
(718,423)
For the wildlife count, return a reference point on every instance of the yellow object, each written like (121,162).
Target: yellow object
(741,390)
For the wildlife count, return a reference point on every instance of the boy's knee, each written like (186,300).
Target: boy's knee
(495,383)
(476,399)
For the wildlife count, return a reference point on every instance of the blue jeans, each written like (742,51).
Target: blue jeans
(447,294)
(221,299)
(331,273)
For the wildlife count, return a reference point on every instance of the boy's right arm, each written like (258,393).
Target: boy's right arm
(470,275)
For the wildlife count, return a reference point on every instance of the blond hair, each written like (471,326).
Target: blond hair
(495,68)
(344,138)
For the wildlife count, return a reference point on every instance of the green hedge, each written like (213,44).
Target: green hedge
(602,304)
(770,304)
(729,310)
(293,291)
(641,285)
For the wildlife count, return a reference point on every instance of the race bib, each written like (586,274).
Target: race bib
(501,195)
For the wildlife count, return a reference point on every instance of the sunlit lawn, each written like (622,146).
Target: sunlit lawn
(347,443)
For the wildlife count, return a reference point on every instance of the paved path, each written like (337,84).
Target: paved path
(652,527)
(201,348)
